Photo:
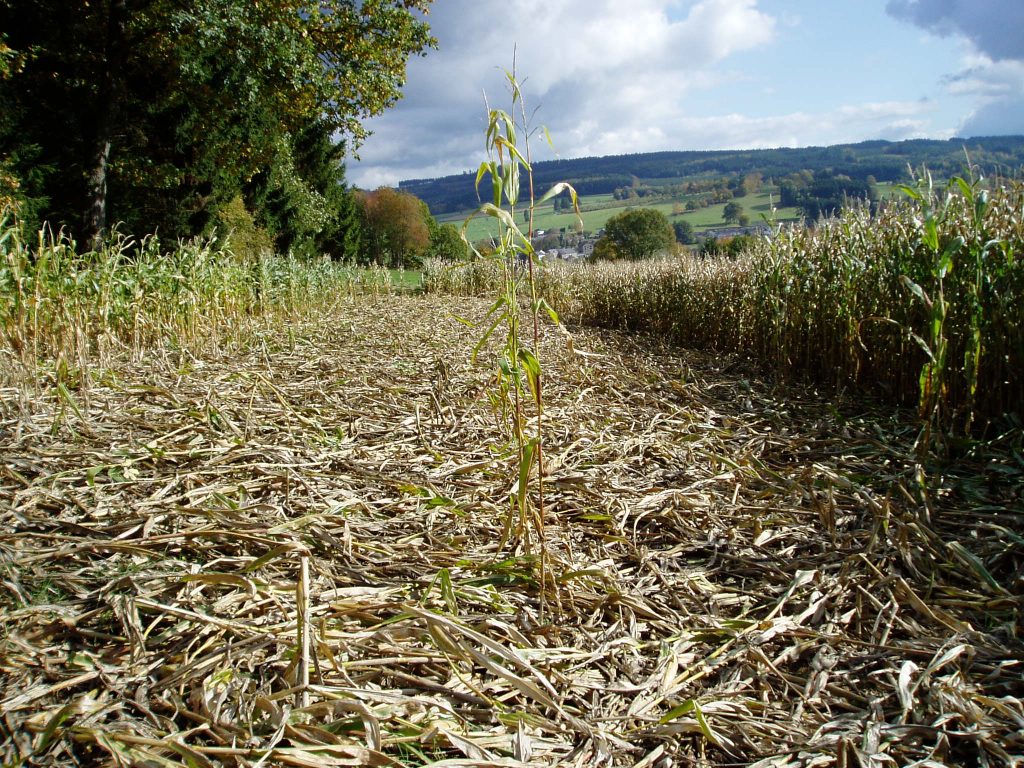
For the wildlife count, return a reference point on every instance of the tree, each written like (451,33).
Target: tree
(395,227)
(752,182)
(605,250)
(640,233)
(548,241)
(302,199)
(829,194)
(446,242)
(155,112)
(732,212)
(684,232)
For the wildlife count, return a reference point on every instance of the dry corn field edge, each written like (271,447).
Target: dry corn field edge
(287,554)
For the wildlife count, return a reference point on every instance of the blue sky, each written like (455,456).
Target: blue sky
(614,77)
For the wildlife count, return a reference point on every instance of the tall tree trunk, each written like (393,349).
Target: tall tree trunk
(96,216)
(106,111)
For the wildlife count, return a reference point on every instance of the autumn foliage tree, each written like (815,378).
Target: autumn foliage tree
(395,227)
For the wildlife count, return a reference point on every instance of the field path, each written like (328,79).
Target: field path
(744,572)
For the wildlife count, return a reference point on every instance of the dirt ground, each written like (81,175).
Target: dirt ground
(739,573)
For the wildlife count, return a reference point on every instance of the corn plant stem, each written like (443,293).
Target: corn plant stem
(302,626)
(540,379)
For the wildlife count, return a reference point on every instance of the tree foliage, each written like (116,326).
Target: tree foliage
(156,112)
(637,234)
(732,212)
(684,232)
(446,242)
(822,193)
(726,246)
(395,226)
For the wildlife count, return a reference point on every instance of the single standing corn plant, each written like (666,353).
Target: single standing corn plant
(519,374)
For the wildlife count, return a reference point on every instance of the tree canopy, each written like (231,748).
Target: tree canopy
(684,232)
(824,194)
(732,212)
(396,227)
(155,112)
(636,234)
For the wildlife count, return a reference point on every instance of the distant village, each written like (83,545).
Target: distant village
(561,246)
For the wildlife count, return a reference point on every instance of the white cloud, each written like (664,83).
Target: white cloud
(611,77)
(998,87)
(993,73)
(603,71)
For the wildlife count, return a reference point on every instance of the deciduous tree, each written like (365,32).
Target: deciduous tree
(395,227)
(732,212)
(446,242)
(638,234)
(154,111)
(683,232)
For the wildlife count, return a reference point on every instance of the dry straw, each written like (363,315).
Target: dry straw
(745,575)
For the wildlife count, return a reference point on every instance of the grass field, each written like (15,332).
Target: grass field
(596,211)
(406,279)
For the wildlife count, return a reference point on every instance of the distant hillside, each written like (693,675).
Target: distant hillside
(883,160)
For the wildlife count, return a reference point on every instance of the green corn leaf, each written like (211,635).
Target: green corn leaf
(497,212)
(511,183)
(555,191)
(65,396)
(676,712)
(543,305)
(532,367)
(515,153)
(931,233)
(525,465)
(917,290)
(977,566)
(980,207)
(547,137)
(705,729)
(487,334)
(910,192)
(923,345)
(946,262)
(448,591)
(484,169)
(965,188)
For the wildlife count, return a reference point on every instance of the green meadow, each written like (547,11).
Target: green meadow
(595,211)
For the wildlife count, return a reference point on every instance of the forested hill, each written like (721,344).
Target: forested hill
(883,160)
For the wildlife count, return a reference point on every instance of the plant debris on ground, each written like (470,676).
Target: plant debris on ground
(291,554)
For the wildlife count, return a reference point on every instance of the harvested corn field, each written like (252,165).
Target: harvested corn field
(291,554)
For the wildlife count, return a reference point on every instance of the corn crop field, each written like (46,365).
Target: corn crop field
(255,514)
(861,303)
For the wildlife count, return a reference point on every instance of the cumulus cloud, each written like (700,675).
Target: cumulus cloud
(615,70)
(612,77)
(993,26)
(994,73)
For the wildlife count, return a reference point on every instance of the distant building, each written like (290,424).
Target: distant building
(762,230)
